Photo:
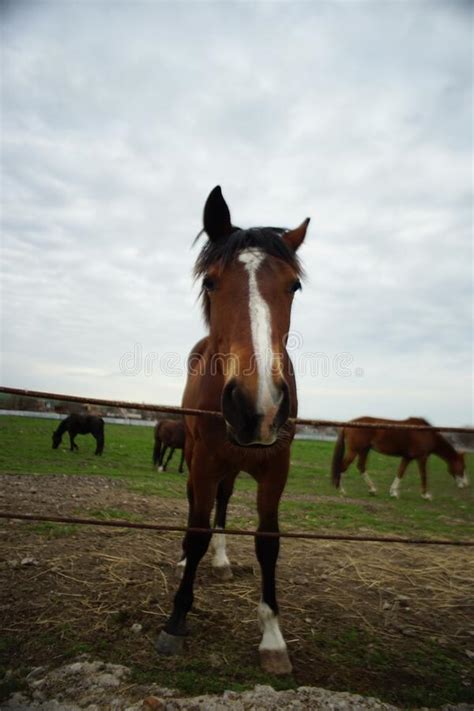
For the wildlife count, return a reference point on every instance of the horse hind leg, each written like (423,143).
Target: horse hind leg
(156,453)
(220,562)
(165,465)
(180,566)
(361,466)
(163,451)
(346,463)
(395,487)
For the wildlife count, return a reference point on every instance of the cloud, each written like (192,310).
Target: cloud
(117,123)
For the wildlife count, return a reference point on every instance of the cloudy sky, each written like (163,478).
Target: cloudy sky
(120,117)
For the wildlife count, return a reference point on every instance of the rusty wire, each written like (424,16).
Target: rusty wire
(236,531)
(231,531)
(213,413)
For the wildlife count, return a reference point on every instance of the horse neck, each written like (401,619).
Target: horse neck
(62,427)
(443,448)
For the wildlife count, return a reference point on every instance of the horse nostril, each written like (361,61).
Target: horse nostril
(230,402)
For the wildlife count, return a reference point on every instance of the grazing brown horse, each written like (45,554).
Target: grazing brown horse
(242,368)
(168,434)
(407,444)
(80,424)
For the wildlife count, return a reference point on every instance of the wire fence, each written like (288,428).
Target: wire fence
(172,409)
(231,531)
(236,531)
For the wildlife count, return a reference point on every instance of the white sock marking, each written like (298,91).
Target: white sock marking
(428,496)
(219,559)
(462,481)
(369,482)
(182,563)
(395,488)
(272,636)
(268,399)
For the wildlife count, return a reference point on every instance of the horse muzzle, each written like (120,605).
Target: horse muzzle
(248,427)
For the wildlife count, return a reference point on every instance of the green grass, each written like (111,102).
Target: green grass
(26,449)
(418,673)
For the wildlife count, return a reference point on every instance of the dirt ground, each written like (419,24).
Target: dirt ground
(108,592)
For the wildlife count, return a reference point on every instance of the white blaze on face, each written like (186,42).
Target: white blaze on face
(272,637)
(268,399)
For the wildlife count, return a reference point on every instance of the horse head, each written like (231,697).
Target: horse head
(457,468)
(249,278)
(57,437)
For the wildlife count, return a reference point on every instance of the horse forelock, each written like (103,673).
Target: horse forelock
(220,253)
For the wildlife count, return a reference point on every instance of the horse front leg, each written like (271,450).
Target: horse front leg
(181,462)
(171,638)
(73,445)
(274,657)
(100,444)
(425,494)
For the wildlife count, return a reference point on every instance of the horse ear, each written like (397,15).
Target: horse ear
(294,238)
(216,218)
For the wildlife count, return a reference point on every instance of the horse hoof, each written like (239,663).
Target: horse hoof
(222,572)
(275,661)
(427,496)
(394,494)
(169,644)
(373,492)
(160,469)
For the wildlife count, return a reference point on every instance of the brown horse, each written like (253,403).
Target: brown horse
(242,368)
(407,444)
(168,434)
(80,424)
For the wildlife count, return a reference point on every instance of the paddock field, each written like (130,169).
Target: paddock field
(386,620)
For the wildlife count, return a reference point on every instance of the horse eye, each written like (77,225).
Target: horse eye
(295,286)
(208,284)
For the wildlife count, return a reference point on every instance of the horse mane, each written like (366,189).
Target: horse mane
(443,447)
(222,252)
(62,427)
(420,421)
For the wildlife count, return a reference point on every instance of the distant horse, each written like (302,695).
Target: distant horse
(407,444)
(168,434)
(249,278)
(80,424)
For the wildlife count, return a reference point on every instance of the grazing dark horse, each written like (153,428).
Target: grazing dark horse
(81,424)
(168,434)
(407,444)
(242,368)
